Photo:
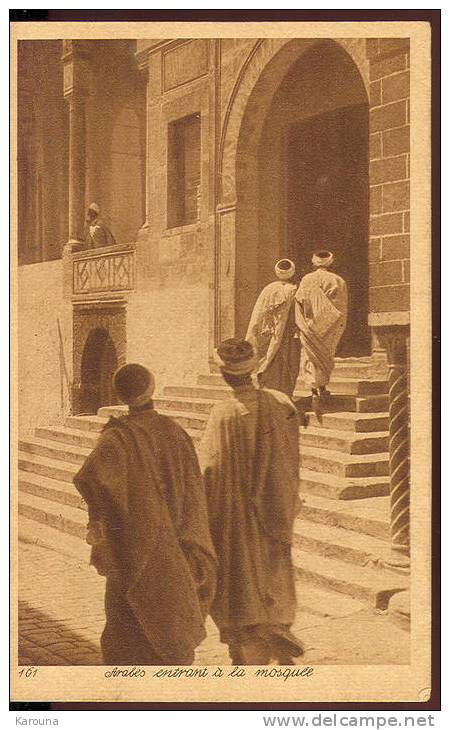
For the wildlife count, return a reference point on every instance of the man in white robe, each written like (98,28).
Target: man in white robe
(273,334)
(321,317)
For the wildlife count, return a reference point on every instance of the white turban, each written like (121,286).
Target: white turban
(284,269)
(322,258)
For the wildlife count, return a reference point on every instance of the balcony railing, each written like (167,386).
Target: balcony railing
(104,270)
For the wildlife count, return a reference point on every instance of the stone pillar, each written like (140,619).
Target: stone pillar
(143,65)
(76,84)
(395,340)
(77,166)
(389,143)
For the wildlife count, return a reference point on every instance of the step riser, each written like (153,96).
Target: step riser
(327,466)
(84,424)
(330,550)
(63,475)
(377,445)
(363,372)
(85,440)
(76,529)
(52,494)
(52,453)
(354,523)
(184,421)
(343,492)
(339,388)
(181,405)
(360,425)
(361,593)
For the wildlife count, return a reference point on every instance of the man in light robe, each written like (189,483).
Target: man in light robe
(321,317)
(273,333)
(250,461)
(96,232)
(148,527)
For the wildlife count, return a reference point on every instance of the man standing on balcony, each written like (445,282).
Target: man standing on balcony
(250,461)
(97,233)
(148,527)
(273,333)
(321,317)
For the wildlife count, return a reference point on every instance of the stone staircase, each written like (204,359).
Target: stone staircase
(342,532)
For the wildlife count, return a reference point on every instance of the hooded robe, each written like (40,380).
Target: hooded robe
(97,234)
(321,317)
(249,456)
(273,334)
(143,484)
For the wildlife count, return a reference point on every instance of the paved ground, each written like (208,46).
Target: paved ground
(61,618)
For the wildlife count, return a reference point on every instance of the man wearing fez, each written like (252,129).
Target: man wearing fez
(273,333)
(250,461)
(148,527)
(321,317)
(96,232)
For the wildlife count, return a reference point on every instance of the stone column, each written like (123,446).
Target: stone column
(77,166)
(143,65)
(76,84)
(395,340)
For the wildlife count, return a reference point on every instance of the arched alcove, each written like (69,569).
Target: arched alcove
(294,176)
(98,363)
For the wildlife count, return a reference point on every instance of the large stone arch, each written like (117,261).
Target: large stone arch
(263,70)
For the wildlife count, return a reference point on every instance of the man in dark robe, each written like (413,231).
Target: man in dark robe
(273,333)
(250,461)
(96,232)
(148,527)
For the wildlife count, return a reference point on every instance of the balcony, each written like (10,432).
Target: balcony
(103,273)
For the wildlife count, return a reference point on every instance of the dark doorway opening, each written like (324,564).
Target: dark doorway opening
(302,179)
(98,365)
(328,206)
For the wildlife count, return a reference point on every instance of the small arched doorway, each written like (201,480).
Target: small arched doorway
(302,179)
(98,364)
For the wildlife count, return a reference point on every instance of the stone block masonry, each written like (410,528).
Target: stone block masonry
(389,174)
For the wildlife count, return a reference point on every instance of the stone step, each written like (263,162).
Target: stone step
(50,489)
(75,436)
(368,516)
(315,603)
(372,585)
(340,544)
(38,533)
(54,450)
(345,488)
(342,369)
(348,442)
(190,421)
(84,437)
(63,471)
(62,517)
(350,421)
(353,386)
(344,465)
(344,386)
(337,402)
(87,423)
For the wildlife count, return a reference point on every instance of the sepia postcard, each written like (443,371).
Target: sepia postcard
(221,425)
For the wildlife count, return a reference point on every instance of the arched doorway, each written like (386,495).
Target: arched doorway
(98,364)
(302,177)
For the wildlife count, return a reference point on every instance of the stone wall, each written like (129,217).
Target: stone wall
(389,179)
(45,345)
(168,317)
